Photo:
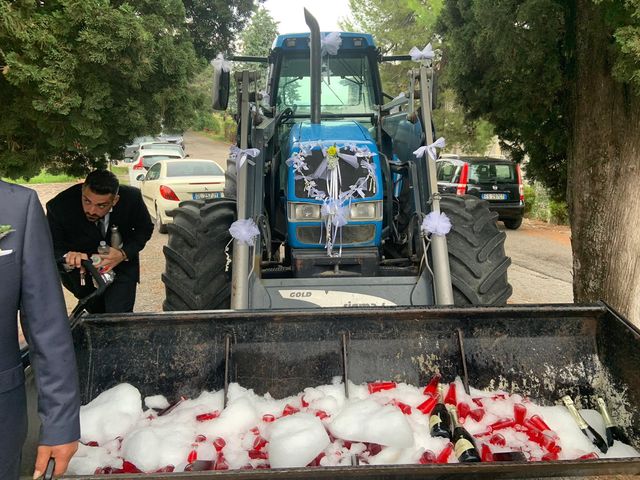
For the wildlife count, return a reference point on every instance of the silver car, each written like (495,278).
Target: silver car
(131,150)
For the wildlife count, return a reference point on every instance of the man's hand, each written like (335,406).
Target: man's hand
(73,259)
(111,260)
(61,453)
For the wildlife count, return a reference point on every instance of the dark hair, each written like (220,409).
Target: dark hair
(102,182)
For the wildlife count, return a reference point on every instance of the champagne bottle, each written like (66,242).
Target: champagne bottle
(463,444)
(440,421)
(587,429)
(613,431)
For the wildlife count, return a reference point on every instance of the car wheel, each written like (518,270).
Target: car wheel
(513,223)
(162,228)
(195,276)
(477,259)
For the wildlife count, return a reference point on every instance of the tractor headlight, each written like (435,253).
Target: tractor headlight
(301,212)
(366,211)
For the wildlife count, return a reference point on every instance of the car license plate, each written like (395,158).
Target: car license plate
(205,195)
(494,196)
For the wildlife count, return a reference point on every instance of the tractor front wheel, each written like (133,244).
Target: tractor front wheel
(195,277)
(477,259)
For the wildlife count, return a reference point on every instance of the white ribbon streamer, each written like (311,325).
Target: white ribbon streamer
(219,63)
(426,53)
(430,149)
(436,223)
(330,43)
(241,154)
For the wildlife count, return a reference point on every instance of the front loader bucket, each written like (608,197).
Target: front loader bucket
(543,352)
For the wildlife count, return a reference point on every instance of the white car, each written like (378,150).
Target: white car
(169,182)
(162,146)
(145,159)
(131,150)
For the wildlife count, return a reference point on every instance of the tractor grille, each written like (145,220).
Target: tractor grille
(351,234)
(348,174)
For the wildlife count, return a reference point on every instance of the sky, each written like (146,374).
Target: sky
(290,14)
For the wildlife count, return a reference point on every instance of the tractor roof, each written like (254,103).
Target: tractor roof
(300,40)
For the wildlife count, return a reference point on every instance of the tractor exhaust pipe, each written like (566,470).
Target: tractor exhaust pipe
(315,66)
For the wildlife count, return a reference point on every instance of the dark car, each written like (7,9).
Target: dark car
(496,180)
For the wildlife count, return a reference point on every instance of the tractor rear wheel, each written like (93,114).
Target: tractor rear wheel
(477,259)
(195,277)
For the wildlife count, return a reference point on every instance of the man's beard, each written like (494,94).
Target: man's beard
(92,218)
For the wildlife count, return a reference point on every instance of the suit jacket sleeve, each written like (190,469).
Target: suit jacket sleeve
(57,235)
(46,325)
(143,227)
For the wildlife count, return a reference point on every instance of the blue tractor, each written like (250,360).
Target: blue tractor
(331,180)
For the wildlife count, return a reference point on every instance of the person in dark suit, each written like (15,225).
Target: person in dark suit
(80,218)
(29,284)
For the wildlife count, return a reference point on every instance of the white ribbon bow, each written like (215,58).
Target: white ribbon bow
(431,149)
(436,224)
(242,154)
(244,230)
(265,98)
(426,53)
(330,43)
(219,63)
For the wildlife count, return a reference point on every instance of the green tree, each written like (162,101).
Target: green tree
(396,27)
(560,82)
(256,40)
(215,24)
(81,78)
(399,26)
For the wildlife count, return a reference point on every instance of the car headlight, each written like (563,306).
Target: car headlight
(365,211)
(304,212)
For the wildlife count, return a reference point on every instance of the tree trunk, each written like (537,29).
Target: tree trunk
(604,172)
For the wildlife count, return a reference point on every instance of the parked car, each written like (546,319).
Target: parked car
(131,150)
(174,137)
(496,180)
(145,159)
(168,182)
(173,147)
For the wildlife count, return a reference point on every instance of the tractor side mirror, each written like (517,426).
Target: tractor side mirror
(221,82)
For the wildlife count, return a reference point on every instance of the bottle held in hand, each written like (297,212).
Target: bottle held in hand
(463,444)
(116,238)
(440,421)
(613,431)
(103,248)
(587,429)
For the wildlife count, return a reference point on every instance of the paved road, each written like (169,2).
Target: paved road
(541,263)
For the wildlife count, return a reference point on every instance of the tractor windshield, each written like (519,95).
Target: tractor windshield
(347,85)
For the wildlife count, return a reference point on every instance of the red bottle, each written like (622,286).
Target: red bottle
(451,398)
(427,457)
(485,453)
(443,456)
(519,412)
(380,386)
(426,406)
(432,386)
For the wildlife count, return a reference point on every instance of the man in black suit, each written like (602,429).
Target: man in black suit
(80,218)
(29,284)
